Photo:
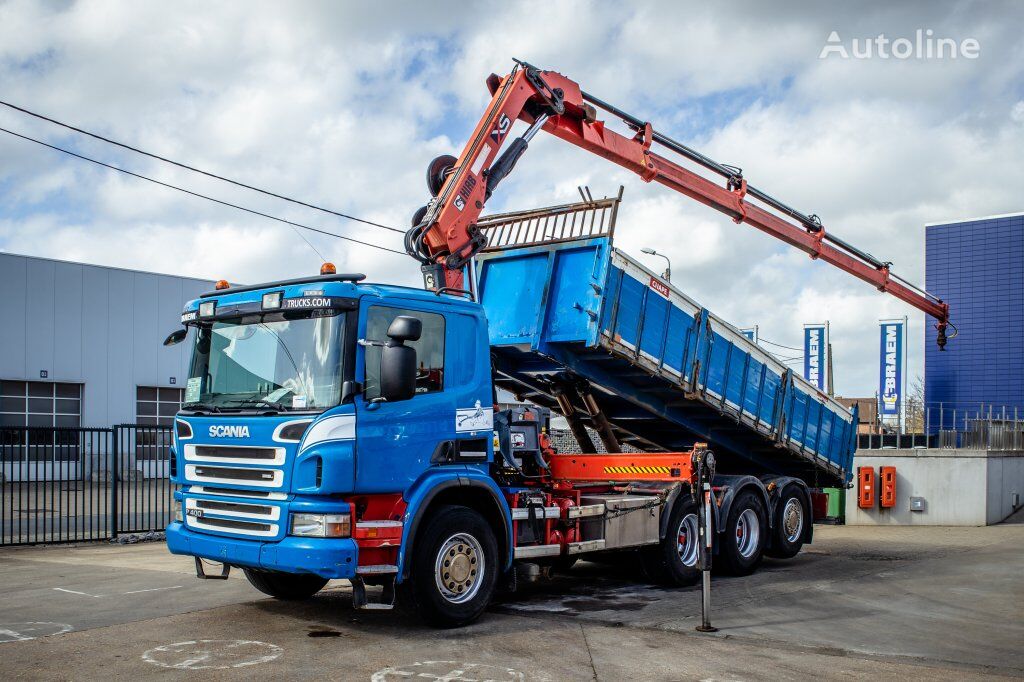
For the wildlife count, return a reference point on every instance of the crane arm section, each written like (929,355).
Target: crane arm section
(445,237)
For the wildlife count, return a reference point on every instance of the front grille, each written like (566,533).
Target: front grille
(237,525)
(222,451)
(235,474)
(239,493)
(263,478)
(234,507)
(234,454)
(233,526)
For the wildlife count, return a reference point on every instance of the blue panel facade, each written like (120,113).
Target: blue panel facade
(978,267)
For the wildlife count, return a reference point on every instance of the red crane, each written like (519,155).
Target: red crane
(444,236)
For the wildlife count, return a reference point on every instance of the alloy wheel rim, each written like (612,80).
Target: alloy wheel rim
(459,567)
(748,533)
(793,519)
(688,540)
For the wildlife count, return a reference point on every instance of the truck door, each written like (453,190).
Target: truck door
(395,441)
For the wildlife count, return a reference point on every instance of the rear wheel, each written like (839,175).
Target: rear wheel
(674,560)
(454,568)
(290,586)
(744,535)
(792,514)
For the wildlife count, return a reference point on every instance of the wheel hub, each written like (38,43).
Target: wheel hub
(458,568)
(793,519)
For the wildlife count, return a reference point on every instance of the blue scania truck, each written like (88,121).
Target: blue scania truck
(339,429)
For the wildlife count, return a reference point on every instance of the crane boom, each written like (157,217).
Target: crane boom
(444,236)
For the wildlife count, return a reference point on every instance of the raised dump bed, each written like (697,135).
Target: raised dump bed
(581,327)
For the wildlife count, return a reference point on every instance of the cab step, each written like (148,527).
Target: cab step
(377,569)
(387,598)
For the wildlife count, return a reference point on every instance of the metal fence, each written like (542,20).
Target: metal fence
(987,427)
(73,484)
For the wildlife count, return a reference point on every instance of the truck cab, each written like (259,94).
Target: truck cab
(317,412)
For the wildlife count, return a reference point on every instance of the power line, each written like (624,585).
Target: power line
(772,343)
(198,170)
(197,194)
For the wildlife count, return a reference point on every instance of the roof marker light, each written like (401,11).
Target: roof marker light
(222,284)
(328,269)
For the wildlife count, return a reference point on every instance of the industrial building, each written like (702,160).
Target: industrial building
(977,266)
(80,345)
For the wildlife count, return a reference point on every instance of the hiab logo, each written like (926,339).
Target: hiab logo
(221,431)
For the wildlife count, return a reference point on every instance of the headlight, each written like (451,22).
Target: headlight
(176,510)
(321,525)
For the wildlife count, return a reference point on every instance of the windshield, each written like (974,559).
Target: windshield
(268,361)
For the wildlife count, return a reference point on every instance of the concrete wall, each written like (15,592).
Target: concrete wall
(960,487)
(97,326)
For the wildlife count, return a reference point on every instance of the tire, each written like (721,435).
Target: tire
(453,538)
(789,527)
(289,586)
(673,562)
(743,539)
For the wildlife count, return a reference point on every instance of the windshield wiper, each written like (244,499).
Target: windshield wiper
(201,408)
(257,401)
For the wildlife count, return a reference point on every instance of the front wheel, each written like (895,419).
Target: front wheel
(743,537)
(289,586)
(454,567)
(792,514)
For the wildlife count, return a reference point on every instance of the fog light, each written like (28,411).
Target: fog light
(207,308)
(272,301)
(176,510)
(321,525)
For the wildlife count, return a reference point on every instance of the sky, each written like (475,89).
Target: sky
(344,104)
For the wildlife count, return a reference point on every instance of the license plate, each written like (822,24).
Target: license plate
(198,513)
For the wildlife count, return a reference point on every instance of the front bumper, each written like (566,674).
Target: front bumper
(331,558)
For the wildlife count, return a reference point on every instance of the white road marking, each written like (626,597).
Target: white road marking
(154,589)
(453,671)
(21,632)
(212,654)
(84,594)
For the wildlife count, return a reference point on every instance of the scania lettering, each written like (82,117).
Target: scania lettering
(339,429)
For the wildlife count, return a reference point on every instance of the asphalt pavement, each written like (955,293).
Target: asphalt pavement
(941,603)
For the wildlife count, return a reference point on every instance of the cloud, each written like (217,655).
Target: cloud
(344,104)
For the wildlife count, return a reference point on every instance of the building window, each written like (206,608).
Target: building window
(48,407)
(157,406)
(40,403)
(154,413)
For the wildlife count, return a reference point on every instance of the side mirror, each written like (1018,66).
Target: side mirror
(397,372)
(404,328)
(176,337)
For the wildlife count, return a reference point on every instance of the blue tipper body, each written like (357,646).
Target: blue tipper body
(671,372)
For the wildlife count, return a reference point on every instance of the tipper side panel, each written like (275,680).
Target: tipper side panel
(583,320)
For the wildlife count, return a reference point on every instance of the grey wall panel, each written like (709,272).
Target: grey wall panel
(67,311)
(13,277)
(95,338)
(168,319)
(39,324)
(145,308)
(121,349)
(99,326)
